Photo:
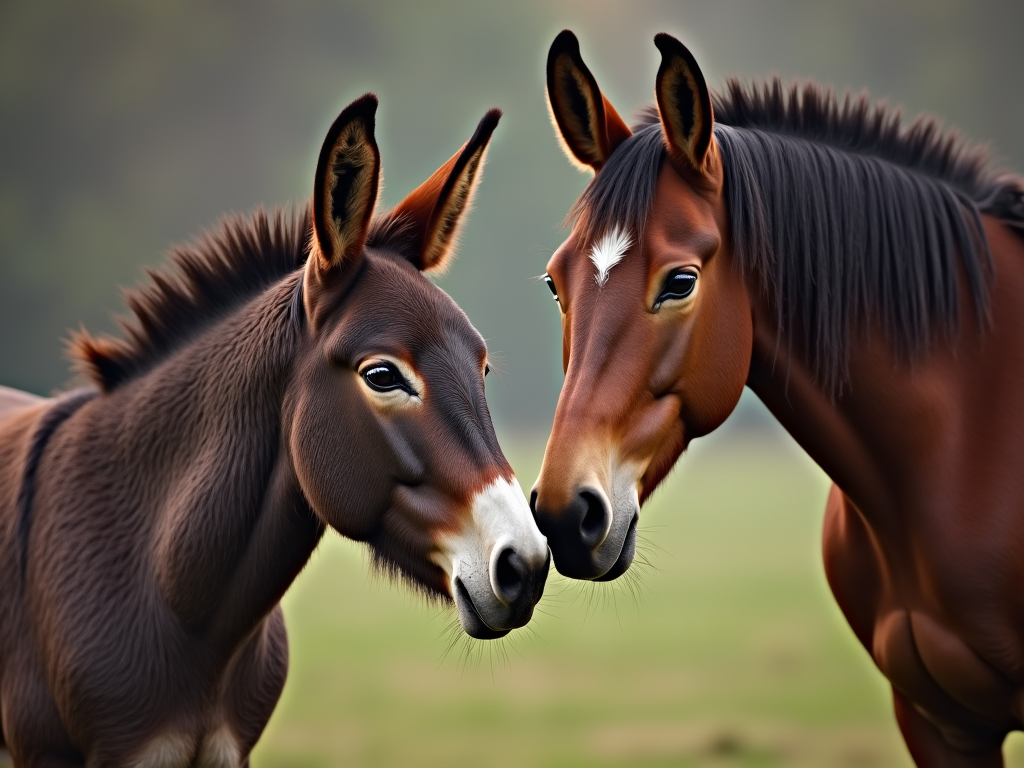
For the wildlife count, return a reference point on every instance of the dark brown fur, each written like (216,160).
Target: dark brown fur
(166,515)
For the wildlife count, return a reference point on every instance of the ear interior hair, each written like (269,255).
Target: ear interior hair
(433,213)
(346,185)
(684,103)
(587,125)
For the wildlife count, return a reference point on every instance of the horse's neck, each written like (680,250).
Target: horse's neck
(913,439)
(203,438)
(874,438)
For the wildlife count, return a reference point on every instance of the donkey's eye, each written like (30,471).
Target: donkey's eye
(385,377)
(551,286)
(679,284)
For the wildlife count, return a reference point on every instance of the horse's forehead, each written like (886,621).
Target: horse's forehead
(682,212)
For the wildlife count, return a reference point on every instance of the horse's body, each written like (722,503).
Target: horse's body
(149,528)
(924,527)
(865,282)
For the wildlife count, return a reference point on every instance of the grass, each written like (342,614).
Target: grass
(726,650)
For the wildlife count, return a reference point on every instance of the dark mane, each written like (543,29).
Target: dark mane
(841,213)
(204,282)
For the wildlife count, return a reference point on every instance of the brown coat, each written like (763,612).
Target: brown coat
(148,530)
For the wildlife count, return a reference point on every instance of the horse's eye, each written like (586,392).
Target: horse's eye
(384,377)
(678,285)
(551,286)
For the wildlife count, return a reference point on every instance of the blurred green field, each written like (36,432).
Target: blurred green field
(728,650)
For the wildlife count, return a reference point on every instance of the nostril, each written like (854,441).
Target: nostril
(594,523)
(509,573)
(533,502)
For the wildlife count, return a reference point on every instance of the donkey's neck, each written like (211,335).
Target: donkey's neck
(203,434)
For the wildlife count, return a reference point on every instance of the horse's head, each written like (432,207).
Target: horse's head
(390,434)
(656,323)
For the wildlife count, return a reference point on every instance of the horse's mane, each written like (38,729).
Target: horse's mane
(204,281)
(841,212)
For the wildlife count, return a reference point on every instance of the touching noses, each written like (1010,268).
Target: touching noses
(577,532)
(516,583)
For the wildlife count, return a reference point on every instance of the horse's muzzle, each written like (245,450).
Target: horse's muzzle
(588,539)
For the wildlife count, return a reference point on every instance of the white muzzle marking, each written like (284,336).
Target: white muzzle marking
(500,520)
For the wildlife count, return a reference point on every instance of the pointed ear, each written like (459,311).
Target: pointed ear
(433,211)
(585,120)
(684,103)
(346,185)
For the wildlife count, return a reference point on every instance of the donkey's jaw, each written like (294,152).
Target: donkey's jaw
(497,564)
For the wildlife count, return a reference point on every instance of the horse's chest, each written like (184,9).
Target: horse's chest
(938,670)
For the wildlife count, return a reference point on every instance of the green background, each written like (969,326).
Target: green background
(126,127)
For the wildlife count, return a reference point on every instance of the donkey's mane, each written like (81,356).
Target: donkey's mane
(841,213)
(205,281)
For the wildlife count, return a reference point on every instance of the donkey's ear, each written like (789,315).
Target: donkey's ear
(346,185)
(587,123)
(684,103)
(432,212)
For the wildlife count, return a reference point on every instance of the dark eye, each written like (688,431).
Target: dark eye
(551,286)
(678,285)
(385,377)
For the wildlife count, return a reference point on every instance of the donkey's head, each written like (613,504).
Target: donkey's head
(656,324)
(390,434)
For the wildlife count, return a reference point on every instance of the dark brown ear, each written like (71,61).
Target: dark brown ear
(346,185)
(587,123)
(434,210)
(684,103)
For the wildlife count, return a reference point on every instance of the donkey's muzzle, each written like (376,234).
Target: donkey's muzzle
(498,563)
(585,542)
(516,587)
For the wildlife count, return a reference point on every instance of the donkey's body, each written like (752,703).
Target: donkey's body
(14,399)
(287,374)
(865,281)
(146,628)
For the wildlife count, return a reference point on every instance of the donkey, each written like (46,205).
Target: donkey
(286,374)
(864,280)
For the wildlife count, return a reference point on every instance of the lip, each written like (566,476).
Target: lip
(472,623)
(626,554)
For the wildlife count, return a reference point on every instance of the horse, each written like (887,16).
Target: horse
(863,277)
(289,372)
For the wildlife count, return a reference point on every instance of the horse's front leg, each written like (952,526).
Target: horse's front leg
(950,736)
(930,749)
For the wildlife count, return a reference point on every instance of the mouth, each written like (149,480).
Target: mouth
(470,619)
(626,555)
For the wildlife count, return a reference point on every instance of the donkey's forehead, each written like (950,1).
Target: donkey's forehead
(395,305)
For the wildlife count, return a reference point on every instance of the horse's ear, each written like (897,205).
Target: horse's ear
(585,120)
(433,211)
(684,103)
(346,185)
